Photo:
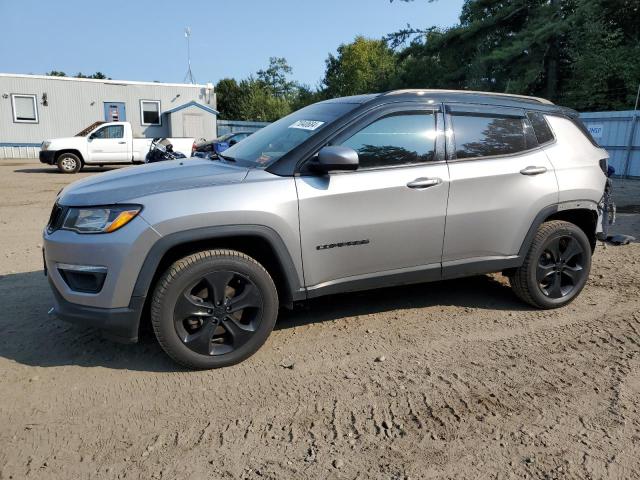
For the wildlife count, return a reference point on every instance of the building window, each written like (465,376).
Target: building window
(150,112)
(25,108)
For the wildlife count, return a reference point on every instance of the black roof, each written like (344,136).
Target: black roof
(453,96)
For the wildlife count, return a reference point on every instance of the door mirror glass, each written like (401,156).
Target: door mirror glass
(337,158)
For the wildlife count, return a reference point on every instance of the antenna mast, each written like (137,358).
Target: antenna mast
(188,78)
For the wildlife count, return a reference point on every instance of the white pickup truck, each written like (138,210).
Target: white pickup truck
(103,144)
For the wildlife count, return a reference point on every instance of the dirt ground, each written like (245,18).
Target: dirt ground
(473,383)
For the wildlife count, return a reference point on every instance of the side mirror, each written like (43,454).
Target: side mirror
(337,158)
(232,142)
(92,136)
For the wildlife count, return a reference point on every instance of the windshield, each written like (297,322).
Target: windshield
(224,137)
(267,145)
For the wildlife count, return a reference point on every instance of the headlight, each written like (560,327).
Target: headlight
(99,219)
(45,145)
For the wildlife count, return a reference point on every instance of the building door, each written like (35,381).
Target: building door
(115,112)
(192,126)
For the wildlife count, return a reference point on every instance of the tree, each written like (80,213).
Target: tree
(56,73)
(97,76)
(228,96)
(363,66)
(580,53)
(258,102)
(275,77)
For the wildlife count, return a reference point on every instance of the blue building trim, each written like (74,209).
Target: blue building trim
(192,104)
(20,144)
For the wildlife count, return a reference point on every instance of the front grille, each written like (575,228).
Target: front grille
(55,219)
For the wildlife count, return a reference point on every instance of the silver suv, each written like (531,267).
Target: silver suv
(348,194)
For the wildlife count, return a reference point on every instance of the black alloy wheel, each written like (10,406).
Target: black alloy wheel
(214,308)
(561,267)
(556,267)
(218,313)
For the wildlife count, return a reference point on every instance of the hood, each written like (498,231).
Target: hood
(65,141)
(126,184)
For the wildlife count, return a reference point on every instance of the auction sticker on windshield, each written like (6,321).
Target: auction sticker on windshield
(307,124)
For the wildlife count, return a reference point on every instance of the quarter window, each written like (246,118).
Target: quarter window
(112,131)
(540,127)
(396,140)
(25,108)
(150,112)
(487,136)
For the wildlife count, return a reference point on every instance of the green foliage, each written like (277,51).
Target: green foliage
(266,97)
(228,95)
(275,78)
(583,54)
(97,75)
(365,65)
(580,53)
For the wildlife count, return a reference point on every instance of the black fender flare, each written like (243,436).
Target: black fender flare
(588,205)
(165,243)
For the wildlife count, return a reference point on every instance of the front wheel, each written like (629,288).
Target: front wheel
(213,309)
(69,163)
(556,267)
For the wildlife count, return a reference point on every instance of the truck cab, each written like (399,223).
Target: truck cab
(106,144)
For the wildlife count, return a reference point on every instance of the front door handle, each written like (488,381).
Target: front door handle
(533,170)
(420,183)
(121,143)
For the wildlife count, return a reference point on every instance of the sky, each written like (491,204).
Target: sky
(144,40)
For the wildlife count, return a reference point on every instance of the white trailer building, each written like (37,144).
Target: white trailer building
(36,107)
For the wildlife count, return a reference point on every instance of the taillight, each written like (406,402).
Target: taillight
(193,148)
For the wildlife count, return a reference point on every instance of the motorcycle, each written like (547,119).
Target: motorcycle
(159,152)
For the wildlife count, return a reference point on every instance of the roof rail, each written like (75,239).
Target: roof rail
(470,92)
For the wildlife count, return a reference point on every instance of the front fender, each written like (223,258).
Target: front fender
(166,243)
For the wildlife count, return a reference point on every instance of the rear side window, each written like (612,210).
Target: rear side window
(540,127)
(403,139)
(488,135)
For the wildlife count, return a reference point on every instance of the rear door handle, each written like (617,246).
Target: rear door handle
(533,170)
(121,143)
(420,183)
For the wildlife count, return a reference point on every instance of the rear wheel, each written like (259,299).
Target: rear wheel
(556,267)
(213,309)
(69,163)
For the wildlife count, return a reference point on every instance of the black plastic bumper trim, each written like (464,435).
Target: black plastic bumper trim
(119,324)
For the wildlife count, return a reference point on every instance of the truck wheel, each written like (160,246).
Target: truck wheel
(213,309)
(69,163)
(556,267)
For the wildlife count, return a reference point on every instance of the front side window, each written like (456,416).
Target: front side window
(25,109)
(150,112)
(487,135)
(404,139)
(112,131)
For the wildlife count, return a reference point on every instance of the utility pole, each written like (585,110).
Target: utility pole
(188,78)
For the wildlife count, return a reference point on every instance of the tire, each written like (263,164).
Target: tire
(69,163)
(196,314)
(556,267)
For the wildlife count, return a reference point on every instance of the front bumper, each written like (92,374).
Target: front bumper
(119,324)
(48,157)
